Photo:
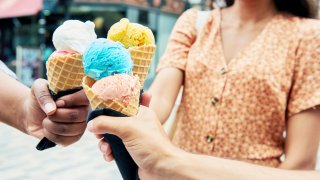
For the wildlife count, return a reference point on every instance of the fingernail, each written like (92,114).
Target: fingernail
(49,107)
(103,148)
(60,103)
(90,126)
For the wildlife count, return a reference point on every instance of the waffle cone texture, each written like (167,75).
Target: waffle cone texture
(96,102)
(64,72)
(142,57)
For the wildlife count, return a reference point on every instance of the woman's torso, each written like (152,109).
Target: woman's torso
(238,109)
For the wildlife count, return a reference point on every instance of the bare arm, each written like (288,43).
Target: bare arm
(167,84)
(13,95)
(164,91)
(158,158)
(33,111)
(303,136)
(191,166)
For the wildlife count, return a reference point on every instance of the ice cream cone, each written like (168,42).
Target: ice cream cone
(96,102)
(64,72)
(142,57)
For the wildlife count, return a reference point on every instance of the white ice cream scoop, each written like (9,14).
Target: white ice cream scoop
(74,36)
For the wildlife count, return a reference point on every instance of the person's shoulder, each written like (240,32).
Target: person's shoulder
(189,14)
(309,28)
(193,12)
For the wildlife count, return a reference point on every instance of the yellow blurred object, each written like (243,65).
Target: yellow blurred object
(130,34)
(98,22)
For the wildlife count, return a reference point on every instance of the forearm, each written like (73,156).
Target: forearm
(13,95)
(161,107)
(302,164)
(302,141)
(164,91)
(190,166)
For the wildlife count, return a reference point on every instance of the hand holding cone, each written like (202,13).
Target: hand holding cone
(64,67)
(140,43)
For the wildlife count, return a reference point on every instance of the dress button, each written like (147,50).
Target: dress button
(223,71)
(209,138)
(215,101)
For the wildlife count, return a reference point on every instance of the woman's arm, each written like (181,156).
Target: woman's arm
(303,124)
(164,91)
(158,158)
(191,166)
(302,141)
(173,64)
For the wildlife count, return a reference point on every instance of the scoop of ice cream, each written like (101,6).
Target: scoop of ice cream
(130,34)
(104,58)
(74,36)
(62,53)
(120,87)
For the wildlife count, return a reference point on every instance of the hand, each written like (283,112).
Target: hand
(62,122)
(143,136)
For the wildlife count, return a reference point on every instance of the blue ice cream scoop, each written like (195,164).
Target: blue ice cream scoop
(105,57)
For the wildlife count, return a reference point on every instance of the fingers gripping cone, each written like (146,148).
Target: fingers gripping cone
(64,67)
(65,75)
(127,167)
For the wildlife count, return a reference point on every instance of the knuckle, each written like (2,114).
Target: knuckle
(73,115)
(45,122)
(63,129)
(99,126)
(69,99)
(83,127)
(83,116)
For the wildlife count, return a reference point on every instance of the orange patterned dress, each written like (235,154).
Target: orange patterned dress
(239,110)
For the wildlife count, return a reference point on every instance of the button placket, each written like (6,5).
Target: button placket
(209,138)
(214,101)
(223,71)
(220,85)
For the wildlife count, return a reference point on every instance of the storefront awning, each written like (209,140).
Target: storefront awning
(16,8)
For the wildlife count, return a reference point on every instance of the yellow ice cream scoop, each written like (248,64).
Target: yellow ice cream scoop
(130,34)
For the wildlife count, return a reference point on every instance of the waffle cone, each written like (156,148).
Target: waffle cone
(64,72)
(142,57)
(96,102)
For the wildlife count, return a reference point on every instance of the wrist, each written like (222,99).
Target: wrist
(172,165)
(22,114)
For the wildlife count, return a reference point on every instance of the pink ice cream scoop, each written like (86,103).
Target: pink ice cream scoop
(121,87)
(62,53)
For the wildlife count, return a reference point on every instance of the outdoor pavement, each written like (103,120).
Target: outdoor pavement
(19,160)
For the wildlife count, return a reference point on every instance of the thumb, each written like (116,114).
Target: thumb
(145,99)
(41,92)
(110,125)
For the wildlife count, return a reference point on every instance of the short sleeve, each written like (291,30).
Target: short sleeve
(6,70)
(305,90)
(180,41)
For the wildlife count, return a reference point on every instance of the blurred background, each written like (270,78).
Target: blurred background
(26,28)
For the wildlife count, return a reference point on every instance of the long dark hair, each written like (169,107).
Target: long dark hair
(301,8)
